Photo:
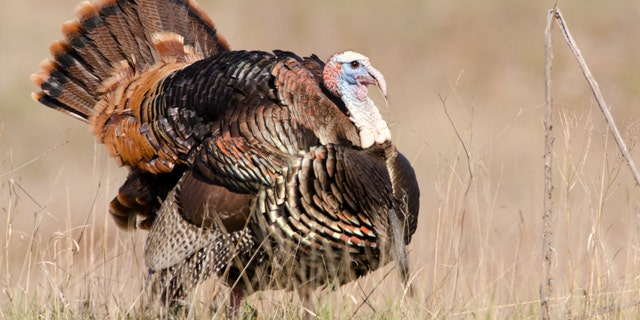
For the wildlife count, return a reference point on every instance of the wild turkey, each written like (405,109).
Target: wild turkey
(270,170)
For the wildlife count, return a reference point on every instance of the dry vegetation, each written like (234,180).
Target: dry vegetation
(476,67)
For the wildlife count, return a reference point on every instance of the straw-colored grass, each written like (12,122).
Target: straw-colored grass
(477,252)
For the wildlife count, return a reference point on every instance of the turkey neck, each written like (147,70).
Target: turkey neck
(367,118)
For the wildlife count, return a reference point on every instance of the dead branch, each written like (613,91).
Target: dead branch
(598,95)
(546,288)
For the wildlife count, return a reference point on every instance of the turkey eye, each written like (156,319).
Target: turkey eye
(354,64)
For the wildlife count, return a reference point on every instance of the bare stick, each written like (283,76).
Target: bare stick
(546,288)
(598,95)
(464,145)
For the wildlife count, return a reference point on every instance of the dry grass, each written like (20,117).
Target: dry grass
(477,252)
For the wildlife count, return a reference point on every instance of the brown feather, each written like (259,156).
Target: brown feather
(67,62)
(212,206)
(99,34)
(108,32)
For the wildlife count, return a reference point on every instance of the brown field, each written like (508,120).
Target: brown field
(475,255)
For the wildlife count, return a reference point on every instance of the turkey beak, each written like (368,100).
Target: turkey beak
(377,79)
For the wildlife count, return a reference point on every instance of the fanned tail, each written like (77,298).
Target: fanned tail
(110,34)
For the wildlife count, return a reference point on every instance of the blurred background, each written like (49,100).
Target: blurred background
(471,66)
